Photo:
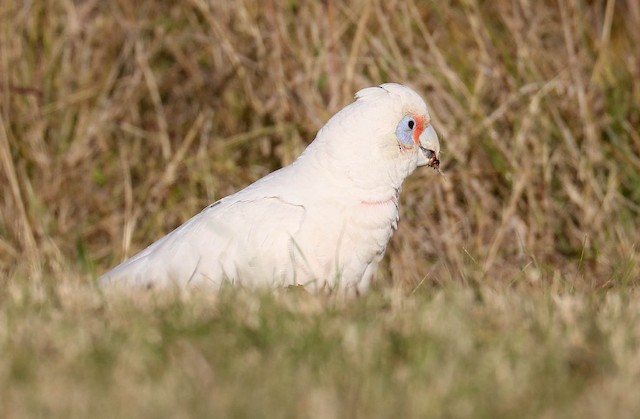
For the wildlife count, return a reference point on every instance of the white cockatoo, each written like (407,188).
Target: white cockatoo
(324,221)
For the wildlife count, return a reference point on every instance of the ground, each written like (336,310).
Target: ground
(509,289)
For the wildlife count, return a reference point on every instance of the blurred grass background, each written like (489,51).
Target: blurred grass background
(122,120)
(119,120)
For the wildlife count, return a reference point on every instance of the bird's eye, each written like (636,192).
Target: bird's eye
(405,130)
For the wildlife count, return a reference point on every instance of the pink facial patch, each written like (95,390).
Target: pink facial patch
(419,128)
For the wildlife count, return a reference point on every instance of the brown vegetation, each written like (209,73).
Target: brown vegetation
(120,119)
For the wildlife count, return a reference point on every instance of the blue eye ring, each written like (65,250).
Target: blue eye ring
(406,129)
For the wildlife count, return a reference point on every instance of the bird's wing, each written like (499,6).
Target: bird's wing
(243,240)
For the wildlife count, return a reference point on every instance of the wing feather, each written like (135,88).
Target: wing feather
(244,241)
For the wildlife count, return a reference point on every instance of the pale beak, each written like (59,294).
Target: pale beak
(429,148)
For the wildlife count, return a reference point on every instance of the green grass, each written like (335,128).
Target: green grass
(72,350)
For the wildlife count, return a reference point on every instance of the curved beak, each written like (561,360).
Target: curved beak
(429,148)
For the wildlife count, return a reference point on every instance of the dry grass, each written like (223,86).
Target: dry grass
(120,119)
(118,122)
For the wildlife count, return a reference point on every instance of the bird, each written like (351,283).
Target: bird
(322,222)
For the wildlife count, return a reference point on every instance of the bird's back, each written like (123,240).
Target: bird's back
(225,241)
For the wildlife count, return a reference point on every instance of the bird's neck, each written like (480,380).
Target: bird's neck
(392,200)
(352,181)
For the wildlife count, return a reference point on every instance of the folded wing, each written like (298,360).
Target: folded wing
(247,241)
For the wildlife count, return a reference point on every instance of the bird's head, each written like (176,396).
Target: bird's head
(403,109)
(387,130)
(416,136)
